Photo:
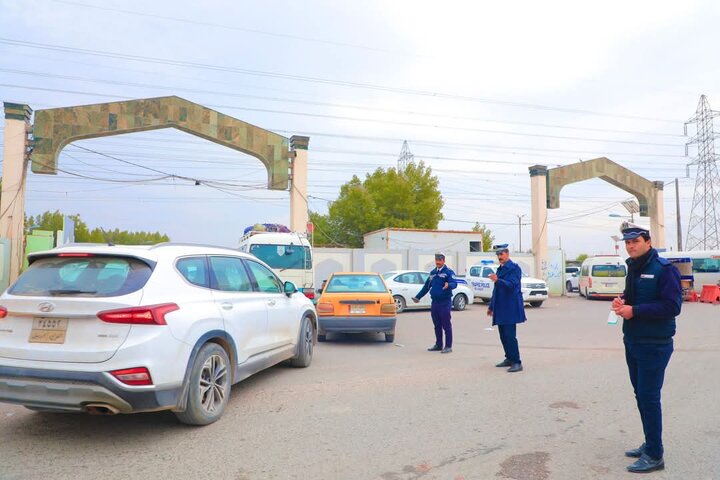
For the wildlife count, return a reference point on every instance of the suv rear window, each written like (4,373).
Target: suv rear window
(91,276)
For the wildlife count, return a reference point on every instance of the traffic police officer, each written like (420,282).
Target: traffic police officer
(649,305)
(507,307)
(440,284)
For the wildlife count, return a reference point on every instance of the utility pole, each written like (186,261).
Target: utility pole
(677,215)
(520,232)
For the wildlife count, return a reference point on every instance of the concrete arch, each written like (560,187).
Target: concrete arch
(55,128)
(546,185)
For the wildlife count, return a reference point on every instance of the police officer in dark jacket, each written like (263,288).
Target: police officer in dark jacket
(652,300)
(440,284)
(507,307)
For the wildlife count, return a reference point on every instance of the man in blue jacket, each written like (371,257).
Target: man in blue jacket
(649,305)
(507,307)
(440,284)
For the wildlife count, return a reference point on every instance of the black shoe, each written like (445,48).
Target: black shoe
(516,367)
(446,350)
(636,452)
(646,464)
(435,348)
(504,363)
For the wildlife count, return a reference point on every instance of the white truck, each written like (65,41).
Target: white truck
(534,290)
(288,254)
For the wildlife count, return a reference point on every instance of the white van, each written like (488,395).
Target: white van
(602,276)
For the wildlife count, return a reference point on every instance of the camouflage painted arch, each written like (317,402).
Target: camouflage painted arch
(55,128)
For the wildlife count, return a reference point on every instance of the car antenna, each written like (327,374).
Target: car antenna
(106,237)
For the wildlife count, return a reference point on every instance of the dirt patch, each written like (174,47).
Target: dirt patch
(528,466)
(565,405)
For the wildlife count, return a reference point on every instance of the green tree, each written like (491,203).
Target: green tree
(487,236)
(53,221)
(581,258)
(385,199)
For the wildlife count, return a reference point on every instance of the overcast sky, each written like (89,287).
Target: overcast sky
(480,90)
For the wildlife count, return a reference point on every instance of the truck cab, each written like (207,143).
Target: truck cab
(288,254)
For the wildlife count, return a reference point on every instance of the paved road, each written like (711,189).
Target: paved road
(370,410)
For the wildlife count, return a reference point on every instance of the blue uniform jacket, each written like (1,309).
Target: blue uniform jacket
(436,282)
(654,291)
(507,304)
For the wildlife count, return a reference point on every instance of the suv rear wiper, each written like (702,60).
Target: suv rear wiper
(70,291)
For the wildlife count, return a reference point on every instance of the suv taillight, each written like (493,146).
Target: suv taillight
(309,293)
(3,312)
(133,376)
(149,315)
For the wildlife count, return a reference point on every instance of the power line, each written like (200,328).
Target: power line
(379,121)
(324,104)
(316,80)
(236,28)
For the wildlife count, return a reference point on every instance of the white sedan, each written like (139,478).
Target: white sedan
(405,284)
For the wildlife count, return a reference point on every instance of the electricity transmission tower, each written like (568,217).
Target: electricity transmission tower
(704,228)
(406,157)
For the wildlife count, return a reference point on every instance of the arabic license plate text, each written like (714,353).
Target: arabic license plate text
(357,309)
(48,330)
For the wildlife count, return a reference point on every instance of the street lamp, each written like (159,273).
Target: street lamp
(631,206)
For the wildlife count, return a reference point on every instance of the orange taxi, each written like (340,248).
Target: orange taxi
(355,302)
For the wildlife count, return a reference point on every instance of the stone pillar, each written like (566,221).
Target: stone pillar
(299,215)
(15,167)
(538,199)
(657,216)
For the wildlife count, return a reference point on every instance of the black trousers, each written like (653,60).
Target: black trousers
(442,320)
(508,337)
(646,364)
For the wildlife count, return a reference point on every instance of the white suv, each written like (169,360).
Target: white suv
(119,329)
(534,290)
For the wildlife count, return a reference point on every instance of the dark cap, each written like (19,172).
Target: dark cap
(631,233)
(439,256)
(503,247)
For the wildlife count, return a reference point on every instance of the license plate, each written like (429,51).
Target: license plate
(48,330)
(357,308)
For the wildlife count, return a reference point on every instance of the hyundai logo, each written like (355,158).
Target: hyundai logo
(46,307)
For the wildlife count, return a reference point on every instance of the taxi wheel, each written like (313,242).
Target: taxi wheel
(399,303)
(390,337)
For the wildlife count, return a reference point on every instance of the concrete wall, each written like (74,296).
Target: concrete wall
(329,260)
(434,241)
